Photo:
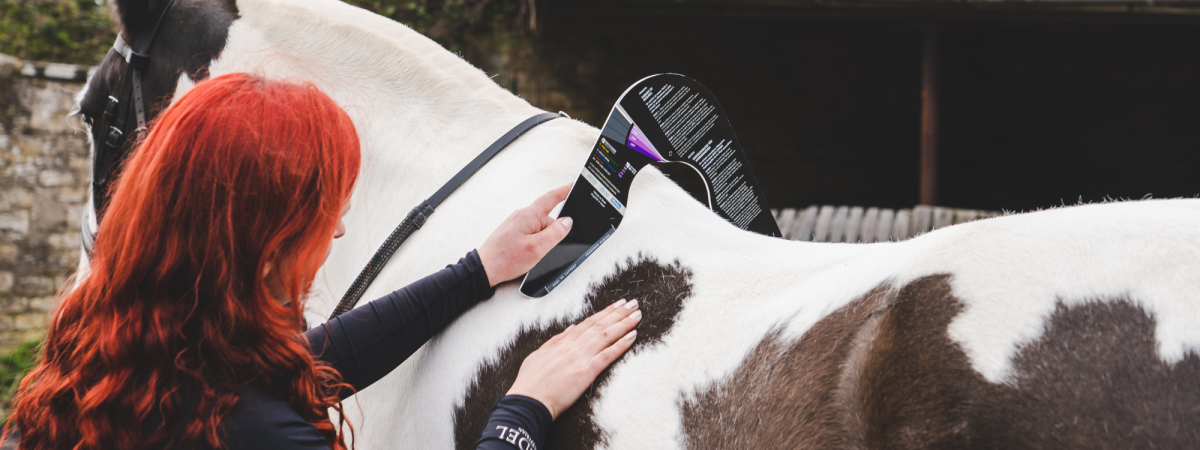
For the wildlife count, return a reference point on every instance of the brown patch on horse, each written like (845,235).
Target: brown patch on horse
(1092,380)
(916,388)
(660,289)
(780,396)
(1095,380)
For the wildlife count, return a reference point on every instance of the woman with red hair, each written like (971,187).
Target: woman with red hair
(185,332)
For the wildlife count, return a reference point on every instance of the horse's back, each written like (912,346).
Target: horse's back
(1089,354)
(1065,328)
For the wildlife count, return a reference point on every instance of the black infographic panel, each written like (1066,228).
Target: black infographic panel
(667,118)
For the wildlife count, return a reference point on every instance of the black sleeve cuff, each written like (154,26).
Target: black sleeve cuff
(516,422)
(478,274)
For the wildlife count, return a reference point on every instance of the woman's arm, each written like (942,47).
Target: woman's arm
(517,422)
(368,342)
(552,378)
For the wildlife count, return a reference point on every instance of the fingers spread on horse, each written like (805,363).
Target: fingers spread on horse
(615,326)
(610,354)
(573,334)
(558,337)
(599,329)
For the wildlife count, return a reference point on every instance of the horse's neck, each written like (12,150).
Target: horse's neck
(421,113)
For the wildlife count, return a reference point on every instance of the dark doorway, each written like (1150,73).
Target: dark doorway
(1034,111)
(1041,115)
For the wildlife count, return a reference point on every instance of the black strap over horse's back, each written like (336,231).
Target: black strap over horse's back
(416,218)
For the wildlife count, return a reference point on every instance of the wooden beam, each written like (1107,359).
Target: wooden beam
(929,119)
(1052,11)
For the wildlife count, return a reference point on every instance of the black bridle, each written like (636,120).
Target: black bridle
(124,119)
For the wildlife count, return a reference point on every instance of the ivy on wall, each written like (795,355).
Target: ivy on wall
(74,31)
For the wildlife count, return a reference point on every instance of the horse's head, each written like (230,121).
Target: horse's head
(191,36)
(400,87)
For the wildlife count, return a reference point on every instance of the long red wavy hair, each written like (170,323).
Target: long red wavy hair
(241,175)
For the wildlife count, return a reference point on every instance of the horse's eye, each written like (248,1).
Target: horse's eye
(88,120)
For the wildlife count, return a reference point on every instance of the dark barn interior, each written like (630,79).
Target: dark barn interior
(1031,105)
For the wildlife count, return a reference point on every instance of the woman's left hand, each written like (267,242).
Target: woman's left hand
(524,238)
(563,368)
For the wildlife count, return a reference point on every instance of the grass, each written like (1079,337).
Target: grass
(12,369)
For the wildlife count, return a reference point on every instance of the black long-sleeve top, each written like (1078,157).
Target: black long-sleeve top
(370,341)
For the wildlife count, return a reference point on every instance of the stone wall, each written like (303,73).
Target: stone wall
(44,175)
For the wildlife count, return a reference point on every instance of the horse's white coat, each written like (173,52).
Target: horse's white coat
(422,113)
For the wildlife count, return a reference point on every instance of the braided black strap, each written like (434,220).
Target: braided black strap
(411,223)
(416,218)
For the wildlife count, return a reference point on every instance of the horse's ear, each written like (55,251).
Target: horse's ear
(136,15)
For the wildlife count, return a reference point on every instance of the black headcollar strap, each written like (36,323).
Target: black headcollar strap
(117,118)
(138,57)
(416,218)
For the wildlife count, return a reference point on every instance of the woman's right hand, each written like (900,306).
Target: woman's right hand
(524,238)
(558,372)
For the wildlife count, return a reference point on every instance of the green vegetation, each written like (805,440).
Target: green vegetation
(452,22)
(486,33)
(12,369)
(81,31)
(74,31)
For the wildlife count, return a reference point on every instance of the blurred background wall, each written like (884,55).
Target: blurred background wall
(44,177)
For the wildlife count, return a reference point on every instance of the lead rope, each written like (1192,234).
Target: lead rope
(417,217)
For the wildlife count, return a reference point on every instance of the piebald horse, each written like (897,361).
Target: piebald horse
(1074,327)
